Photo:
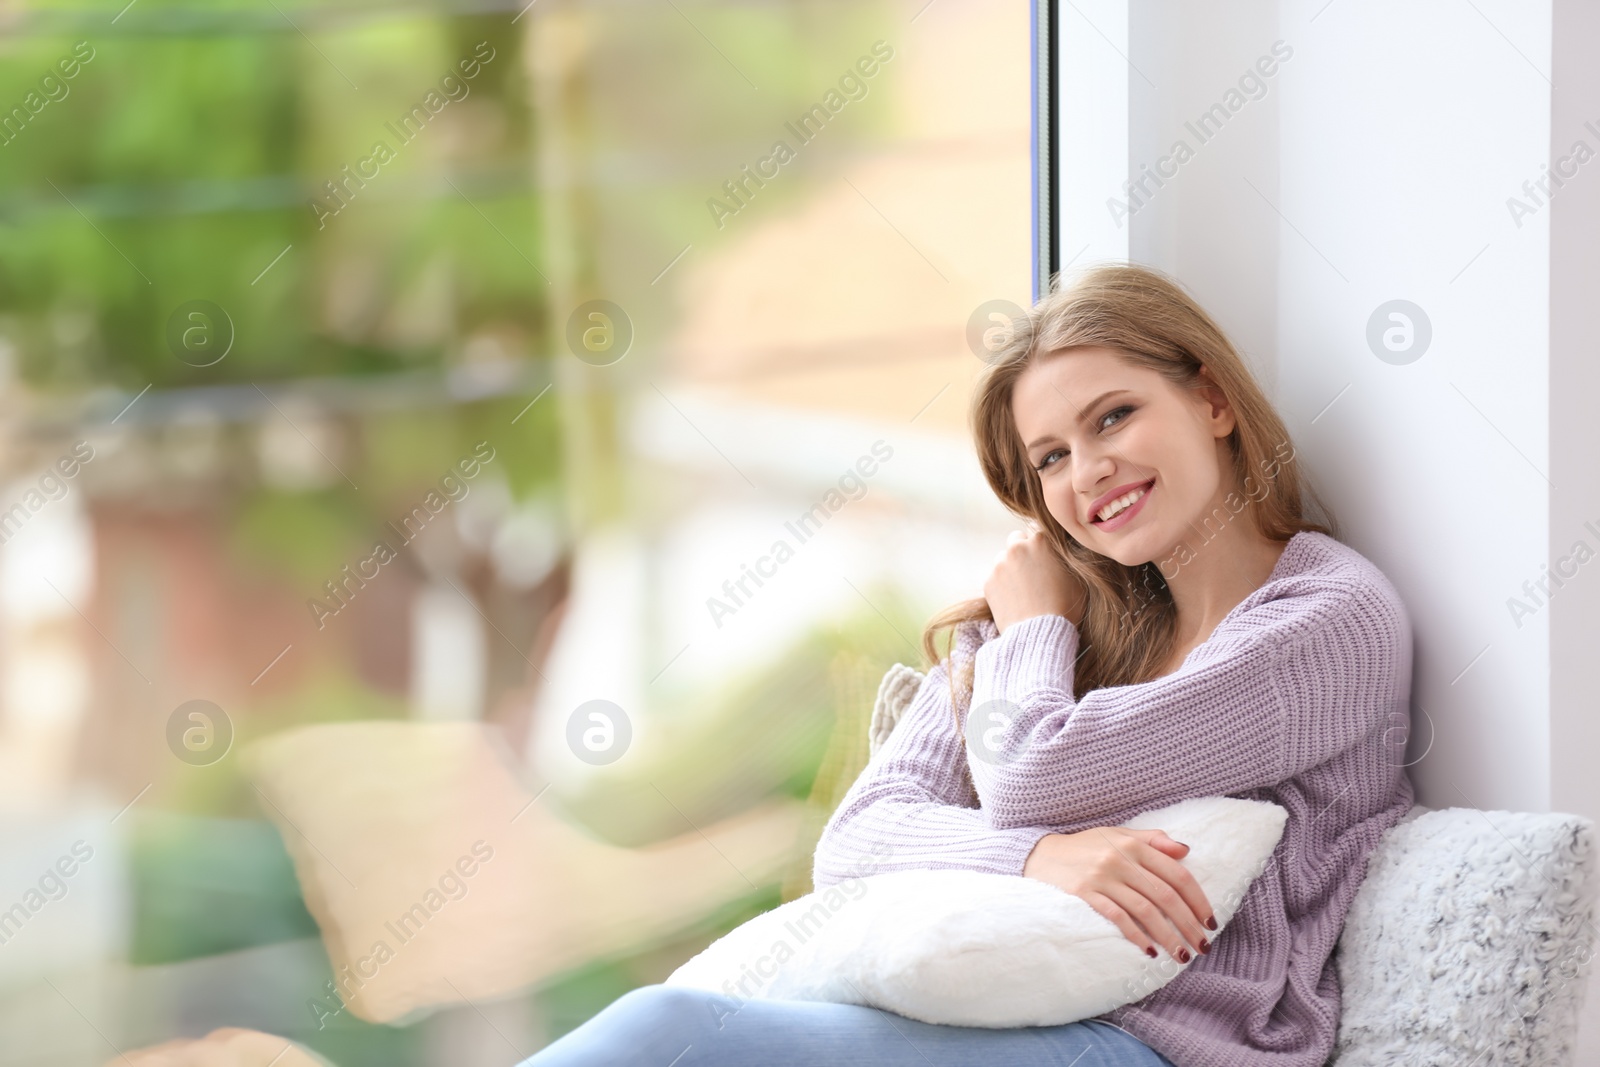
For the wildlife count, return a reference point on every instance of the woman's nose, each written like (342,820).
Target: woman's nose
(1091,469)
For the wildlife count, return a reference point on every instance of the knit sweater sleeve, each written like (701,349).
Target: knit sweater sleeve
(913,807)
(1278,688)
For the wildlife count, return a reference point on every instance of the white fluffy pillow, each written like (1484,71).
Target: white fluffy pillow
(966,948)
(1474,930)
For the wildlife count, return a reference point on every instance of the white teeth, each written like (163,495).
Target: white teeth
(1121,502)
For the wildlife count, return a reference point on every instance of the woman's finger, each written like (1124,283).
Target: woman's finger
(1119,917)
(1131,896)
(1146,870)
(1179,895)
(1160,840)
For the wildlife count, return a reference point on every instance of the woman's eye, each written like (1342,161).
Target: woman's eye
(1045,462)
(1124,411)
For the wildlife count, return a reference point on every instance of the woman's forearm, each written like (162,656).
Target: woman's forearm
(913,807)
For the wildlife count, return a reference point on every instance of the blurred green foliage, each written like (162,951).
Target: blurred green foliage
(183,158)
(305,536)
(203,886)
(181,163)
(224,789)
(763,735)
(177,168)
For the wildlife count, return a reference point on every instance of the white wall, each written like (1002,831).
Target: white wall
(1574,436)
(1574,383)
(1438,467)
(1377,166)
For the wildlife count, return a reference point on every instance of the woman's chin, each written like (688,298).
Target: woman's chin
(1125,550)
(1117,553)
(1129,551)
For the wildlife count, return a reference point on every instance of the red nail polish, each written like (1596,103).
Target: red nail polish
(1150,952)
(1211,923)
(1183,955)
(1205,946)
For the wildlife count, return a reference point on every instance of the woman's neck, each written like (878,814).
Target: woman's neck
(1220,573)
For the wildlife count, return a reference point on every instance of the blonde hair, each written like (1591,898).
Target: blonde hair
(1129,625)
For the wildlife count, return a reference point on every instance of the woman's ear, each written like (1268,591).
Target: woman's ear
(1218,411)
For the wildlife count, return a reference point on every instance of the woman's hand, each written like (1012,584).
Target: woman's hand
(1133,878)
(1029,580)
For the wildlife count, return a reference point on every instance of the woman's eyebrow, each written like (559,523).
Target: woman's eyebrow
(1090,406)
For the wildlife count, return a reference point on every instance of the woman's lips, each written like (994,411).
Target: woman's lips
(1126,515)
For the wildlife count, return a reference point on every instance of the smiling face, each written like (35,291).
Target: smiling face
(1098,429)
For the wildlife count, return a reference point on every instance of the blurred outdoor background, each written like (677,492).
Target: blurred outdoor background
(437,363)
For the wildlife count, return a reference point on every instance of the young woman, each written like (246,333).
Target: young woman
(1170,626)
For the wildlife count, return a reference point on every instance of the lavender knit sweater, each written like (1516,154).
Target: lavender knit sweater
(1300,697)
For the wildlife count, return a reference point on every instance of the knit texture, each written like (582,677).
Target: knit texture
(1300,697)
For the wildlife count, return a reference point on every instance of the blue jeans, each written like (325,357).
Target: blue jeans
(661,1026)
